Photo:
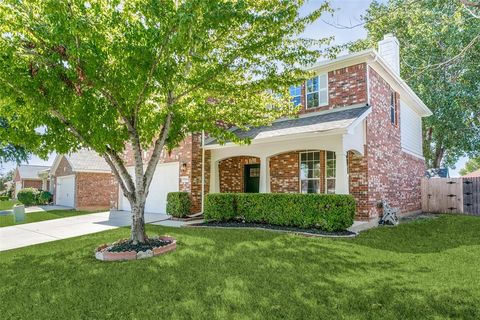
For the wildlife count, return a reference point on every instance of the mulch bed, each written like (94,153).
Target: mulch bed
(309,232)
(125,250)
(150,244)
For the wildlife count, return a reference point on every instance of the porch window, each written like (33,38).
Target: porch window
(330,168)
(310,172)
(317,91)
(296,95)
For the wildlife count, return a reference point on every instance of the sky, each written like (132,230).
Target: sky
(347,13)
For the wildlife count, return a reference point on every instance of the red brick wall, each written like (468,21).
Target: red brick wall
(346,86)
(231,173)
(392,174)
(284,173)
(63,169)
(358,184)
(37,184)
(94,190)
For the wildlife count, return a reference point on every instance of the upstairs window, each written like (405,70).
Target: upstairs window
(296,95)
(317,91)
(393,108)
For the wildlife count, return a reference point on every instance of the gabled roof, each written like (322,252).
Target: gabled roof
(84,160)
(373,59)
(27,171)
(335,120)
(473,174)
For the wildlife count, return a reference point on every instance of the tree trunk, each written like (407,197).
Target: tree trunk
(439,152)
(137,234)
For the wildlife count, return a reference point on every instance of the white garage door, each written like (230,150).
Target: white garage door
(164,180)
(65,192)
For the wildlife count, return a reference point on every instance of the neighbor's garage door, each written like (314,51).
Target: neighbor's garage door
(165,180)
(65,191)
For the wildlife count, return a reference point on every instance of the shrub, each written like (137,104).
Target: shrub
(28,196)
(44,197)
(322,211)
(178,204)
(4,198)
(220,206)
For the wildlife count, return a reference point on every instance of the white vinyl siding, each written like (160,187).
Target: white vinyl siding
(411,129)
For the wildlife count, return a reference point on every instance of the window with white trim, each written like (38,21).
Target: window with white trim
(296,95)
(393,108)
(316,91)
(310,172)
(330,172)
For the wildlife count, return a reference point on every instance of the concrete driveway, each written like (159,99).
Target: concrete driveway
(45,231)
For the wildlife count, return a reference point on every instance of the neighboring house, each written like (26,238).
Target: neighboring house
(83,180)
(437,173)
(29,176)
(359,132)
(473,174)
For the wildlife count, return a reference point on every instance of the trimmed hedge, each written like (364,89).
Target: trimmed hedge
(329,212)
(28,196)
(220,206)
(44,197)
(4,198)
(178,204)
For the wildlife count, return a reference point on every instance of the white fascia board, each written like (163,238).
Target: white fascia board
(56,163)
(281,138)
(380,66)
(372,58)
(359,120)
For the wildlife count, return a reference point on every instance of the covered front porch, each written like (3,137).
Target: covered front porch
(328,160)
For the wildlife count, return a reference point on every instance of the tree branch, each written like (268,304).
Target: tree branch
(159,144)
(438,65)
(127,193)
(470,3)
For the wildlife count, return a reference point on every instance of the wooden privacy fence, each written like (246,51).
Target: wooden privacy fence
(451,195)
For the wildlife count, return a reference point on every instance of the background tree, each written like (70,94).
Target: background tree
(471,166)
(104,73)
(6,177)
(9,150)
(440,54)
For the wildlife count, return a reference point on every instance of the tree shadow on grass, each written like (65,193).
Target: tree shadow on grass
(423,236)
(226,274)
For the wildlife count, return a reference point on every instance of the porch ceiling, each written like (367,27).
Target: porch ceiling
(327,121)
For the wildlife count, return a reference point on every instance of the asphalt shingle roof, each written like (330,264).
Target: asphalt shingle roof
(87,160)
(27,171)
(321,122)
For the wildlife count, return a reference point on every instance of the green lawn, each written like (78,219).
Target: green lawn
(7,205)
(41,216)
(423,270)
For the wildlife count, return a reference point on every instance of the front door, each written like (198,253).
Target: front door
(252,178)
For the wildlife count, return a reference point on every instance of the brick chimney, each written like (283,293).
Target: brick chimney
(389,50)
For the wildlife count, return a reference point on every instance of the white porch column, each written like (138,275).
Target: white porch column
(214,176)
(341,177)
(264,175)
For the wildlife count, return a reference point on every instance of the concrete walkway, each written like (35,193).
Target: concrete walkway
(28,234)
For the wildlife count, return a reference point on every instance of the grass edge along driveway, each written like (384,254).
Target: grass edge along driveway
(8,220)
(425,269)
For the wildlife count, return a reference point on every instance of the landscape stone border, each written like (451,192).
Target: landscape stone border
(102,253)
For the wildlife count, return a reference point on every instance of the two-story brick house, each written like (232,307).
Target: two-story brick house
(359,131)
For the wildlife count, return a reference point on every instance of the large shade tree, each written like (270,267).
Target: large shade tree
(103,73)
(440,54)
